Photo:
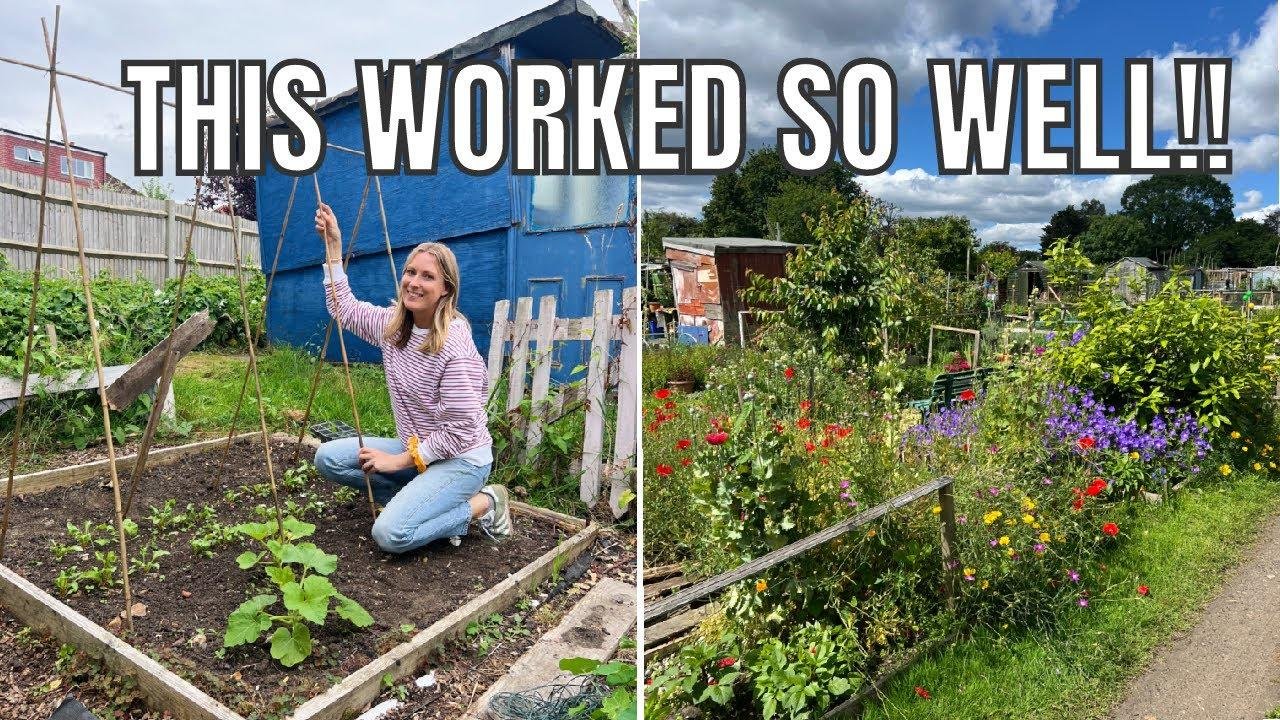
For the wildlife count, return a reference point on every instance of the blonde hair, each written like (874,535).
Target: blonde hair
(400,324)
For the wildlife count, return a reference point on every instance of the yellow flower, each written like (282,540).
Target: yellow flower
(1257,466)
(761,586)
(1009,552)
(991,517)
(1028,519)
(871,533)
(1004,539)
(1244,448)
(1028,504)
(1010,521)
(1225,469)
(970,571)
(1235,434)
(1044,537)
(1035,525)
(937,509)
(1271,464)
(985,584)
(1134,456)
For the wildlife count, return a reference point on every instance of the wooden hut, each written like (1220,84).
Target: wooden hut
(708,275)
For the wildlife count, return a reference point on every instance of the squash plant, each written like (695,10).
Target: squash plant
(300,571)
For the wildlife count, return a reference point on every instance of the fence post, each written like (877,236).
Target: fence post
(950,559)
(170,233)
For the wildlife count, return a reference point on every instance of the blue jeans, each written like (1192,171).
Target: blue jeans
(418,507)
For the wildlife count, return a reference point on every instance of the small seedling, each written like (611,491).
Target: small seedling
(344,495)
(60,551)
(147,560)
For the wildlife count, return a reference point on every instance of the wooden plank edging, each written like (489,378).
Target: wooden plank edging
(365,684)
(59,477)
(163,689)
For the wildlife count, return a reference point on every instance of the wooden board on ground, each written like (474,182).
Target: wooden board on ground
(146,371)
(591,630)
(664,637)
(164,689)
(167,692)
(59,477)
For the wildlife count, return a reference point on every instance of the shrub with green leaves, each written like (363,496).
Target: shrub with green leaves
(1176,350)
(300,571)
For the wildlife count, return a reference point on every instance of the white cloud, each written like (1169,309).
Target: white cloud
(1024,236)
(95,37)
(1260,214)
(1252,200)
(1254,81)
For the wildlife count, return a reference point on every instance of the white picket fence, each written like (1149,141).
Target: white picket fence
(604,372)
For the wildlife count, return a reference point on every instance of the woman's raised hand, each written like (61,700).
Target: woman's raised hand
(327,229)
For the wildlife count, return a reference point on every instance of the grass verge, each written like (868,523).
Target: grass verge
(207,386)
(1181,551)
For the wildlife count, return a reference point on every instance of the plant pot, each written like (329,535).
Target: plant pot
(681,386)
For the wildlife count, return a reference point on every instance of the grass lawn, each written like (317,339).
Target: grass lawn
(207,385)
(1181,551)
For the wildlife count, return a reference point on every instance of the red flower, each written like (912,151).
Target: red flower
(1096,487)
(826,441)
(824,461)
(779,427)
(684,461)
(1110,529)
(924,694)
(663,470)
(726,662)
(662,393)
(670,405)
(967,396)
(683,444)
(805,405)
(717,438)
(653,426)
(1086,443)
(843,432)
(789,373)
(1143,590)
(803,423)
(810,446)
(1077,504)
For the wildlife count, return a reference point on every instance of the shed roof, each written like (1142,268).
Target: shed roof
(712,246)
(565,30)
(1147,263)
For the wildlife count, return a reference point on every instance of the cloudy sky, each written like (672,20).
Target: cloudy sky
(96,36)
(762,35)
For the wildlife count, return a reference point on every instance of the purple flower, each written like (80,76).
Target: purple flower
(1075,576)
(1083,602)
(1038,547)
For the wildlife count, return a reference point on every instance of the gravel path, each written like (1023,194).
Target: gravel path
(1227,667)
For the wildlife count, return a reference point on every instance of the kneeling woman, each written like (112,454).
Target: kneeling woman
(431,478)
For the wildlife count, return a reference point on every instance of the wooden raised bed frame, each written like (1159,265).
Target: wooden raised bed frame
(167,691)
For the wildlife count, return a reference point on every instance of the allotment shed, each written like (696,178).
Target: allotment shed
(514,235)
(708,275)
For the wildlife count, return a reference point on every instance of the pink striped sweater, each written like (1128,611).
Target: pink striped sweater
(439,398)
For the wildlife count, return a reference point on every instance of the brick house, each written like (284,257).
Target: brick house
(25,153)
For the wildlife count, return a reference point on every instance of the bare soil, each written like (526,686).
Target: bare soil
(188,601)
(1227,667)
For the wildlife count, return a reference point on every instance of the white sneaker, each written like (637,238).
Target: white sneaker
(496,523)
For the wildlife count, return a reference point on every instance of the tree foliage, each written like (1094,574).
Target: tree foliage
(1070,222)
(1112,237)
(1177,209)
(946,241)
(1244,243)
(738,203)
(660,223)
(785,213)
(217,194)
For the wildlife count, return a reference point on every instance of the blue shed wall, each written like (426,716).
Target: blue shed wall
(485,220)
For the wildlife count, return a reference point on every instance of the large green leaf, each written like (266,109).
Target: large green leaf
(247,622)
(296,528)
(352,611)
(248,559)
(291,648)
(258,531)
(308,555)
(310,598)
(281,576)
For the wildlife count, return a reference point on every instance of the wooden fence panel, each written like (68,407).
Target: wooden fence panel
(128,235)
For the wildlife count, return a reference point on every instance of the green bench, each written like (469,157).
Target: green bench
(948,386)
